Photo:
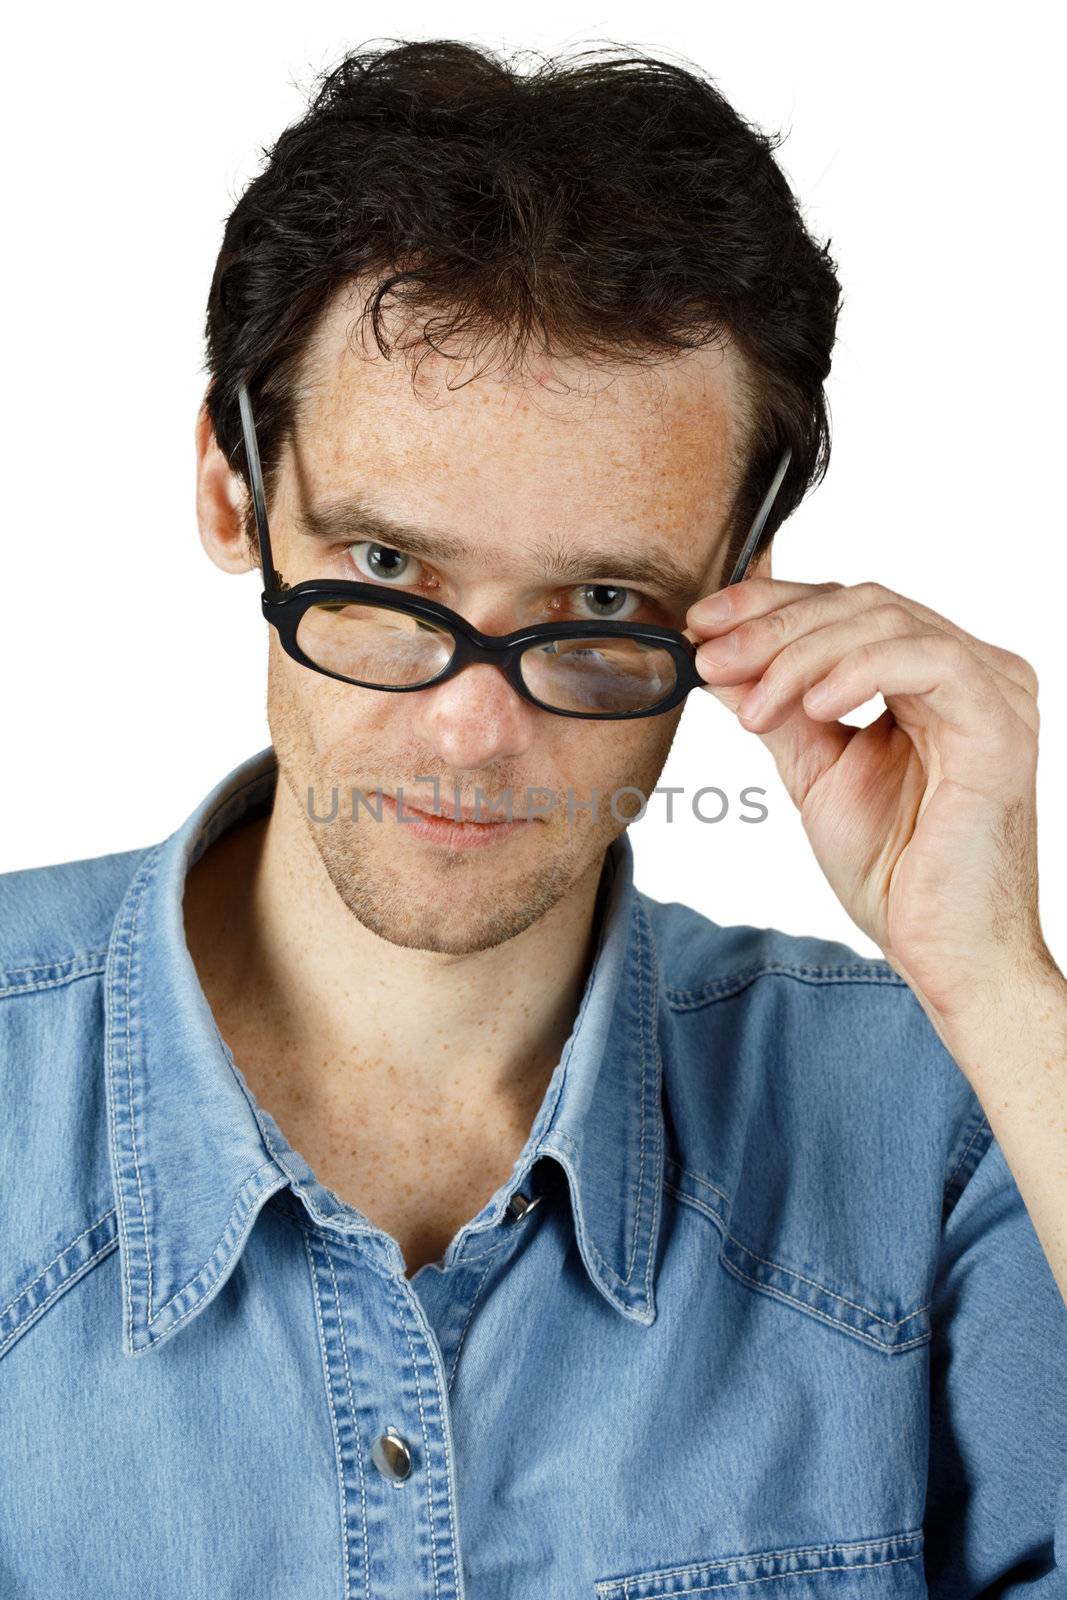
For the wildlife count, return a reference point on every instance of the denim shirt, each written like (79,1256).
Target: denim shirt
(759,1311)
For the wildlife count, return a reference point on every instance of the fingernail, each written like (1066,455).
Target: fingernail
(720,651)
(716,608)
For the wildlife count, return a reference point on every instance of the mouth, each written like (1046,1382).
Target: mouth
(441,827)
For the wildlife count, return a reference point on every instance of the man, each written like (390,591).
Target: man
(404,1207)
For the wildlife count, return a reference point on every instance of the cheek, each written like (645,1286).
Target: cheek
(614,755)
(651,743)
(648,741)
(321,717)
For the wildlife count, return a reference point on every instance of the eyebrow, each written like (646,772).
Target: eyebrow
(656,570)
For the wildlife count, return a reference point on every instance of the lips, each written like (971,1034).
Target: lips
(482,815)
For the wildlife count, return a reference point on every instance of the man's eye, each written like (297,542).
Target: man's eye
(381,563)
(595,602)
(603,602)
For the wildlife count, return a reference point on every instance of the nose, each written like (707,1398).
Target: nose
(476,718)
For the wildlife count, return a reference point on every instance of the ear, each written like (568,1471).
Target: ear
(220,497)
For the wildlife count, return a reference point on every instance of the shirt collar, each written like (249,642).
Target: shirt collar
(190,1164)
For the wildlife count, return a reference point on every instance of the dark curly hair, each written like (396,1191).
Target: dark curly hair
(615,208)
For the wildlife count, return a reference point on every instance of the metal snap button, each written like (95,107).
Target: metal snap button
(520,1204)
(391,1456)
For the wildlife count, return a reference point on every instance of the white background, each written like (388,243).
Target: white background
(924,141)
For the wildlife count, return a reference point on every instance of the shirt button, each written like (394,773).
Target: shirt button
(520,1204)
(391,1456)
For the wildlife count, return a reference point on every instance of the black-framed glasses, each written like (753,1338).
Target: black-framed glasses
(377,638)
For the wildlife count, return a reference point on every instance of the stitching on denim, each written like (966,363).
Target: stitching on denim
(568,1049)
(803,1305)
(724,988)
(774,1577)
(705,1183)
(67,1248)
(121,940)
(641,1023)
(333,1236)
(607,1270)
(605,1587)
(76,964)
(68,1283)
(177,1322)
(149,870)
(982,1127)
(652,1236)
(816,1311)
(247,1191)
(355,1429)
(791,1271)
(642,1020)
(637,1234)
(358,1239)
(318,1231)
(769,1555)
(649,1029)
(134,914)
(123,936)
(403,1319)
(46,966)
(581,1229)
(467,1322)
(328,1385)
(117,1158)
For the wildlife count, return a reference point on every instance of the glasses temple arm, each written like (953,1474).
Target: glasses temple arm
(271,579)
(759,522)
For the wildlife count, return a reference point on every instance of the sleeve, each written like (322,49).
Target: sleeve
(995,1522)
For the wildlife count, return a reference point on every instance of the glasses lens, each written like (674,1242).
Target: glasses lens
(374,645)
(608,674)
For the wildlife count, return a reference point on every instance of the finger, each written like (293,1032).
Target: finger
(935,680)
(769,613)
(787,672)
(744,601)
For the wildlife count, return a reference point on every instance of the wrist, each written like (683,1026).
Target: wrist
(1017,1020)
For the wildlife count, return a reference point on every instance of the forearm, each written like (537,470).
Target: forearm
(1015,1057)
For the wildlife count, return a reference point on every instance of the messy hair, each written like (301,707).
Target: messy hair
(607,206)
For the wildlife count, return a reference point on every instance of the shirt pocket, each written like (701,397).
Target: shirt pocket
(890,1568)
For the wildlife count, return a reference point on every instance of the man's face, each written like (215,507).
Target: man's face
(622,464)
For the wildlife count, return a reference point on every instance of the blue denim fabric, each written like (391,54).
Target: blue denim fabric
(778,1327)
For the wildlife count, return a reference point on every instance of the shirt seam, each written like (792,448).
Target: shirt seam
(52,974)
(953,1191)
(783,1267)
(792,1273)
(725,987)
(73,1273)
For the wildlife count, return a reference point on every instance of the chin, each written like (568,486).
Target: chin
(406,898)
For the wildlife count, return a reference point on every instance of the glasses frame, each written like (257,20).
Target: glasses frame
(284,605)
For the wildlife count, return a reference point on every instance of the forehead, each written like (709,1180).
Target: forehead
(461,439)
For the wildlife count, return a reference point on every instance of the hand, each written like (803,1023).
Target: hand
(924,822)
